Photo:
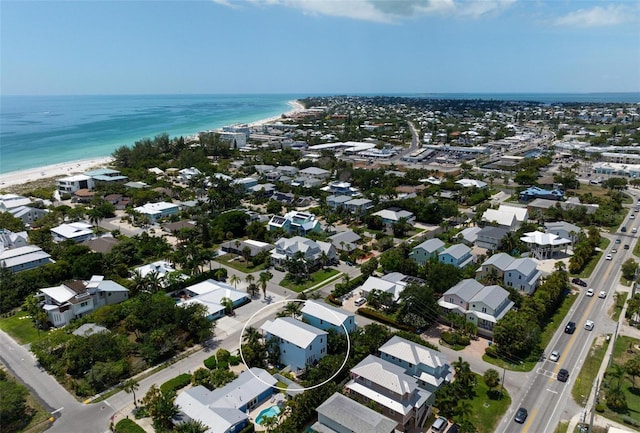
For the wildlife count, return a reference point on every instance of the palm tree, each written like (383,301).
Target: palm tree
(130,387)
(250,279)
(264,277)
(292,309)
(154,283)
(191,426)
(251,335)
(227,304)
(463,373)
(234,279)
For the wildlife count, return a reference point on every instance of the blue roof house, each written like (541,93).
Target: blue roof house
(537,192)
(300,344)
(325,317)
(458,255)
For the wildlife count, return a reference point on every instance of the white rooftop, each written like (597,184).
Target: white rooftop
(294,331)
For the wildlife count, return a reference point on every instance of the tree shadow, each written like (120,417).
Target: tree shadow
(634,390)
(494,394)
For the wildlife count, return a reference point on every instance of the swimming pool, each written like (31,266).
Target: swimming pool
(268,412)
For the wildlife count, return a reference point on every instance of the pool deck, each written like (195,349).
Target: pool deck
(275,398)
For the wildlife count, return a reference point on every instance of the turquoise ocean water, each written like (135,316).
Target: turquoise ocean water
(42,130)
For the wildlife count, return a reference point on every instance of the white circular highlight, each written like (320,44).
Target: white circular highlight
(286,301)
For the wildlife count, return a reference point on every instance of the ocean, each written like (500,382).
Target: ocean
(36,131)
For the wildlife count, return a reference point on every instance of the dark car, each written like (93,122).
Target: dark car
(579,282)
(570,328)
(563,375)
(623,229)
(626,246)
(618,241)
(455,428)
(521,415)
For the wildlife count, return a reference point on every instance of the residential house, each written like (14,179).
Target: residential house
(76,299)
(287,170)
(225,409)
(544,245)
(71,184)
(238,246)
(490,237)
(345,241)
(471,183)
(542,205)
(337,201)
(341,188)
(429,366)
(160,268)
(564,230)
(481,305)
(186,174)
(312,252)
(9,239)
(340,414)
(295,223)
(27,214)
(521,274)
(315,173)
(13,201)
(469,236)
(213,295)
(359,206)
(77,232)
(245,183)
(504,220)
(103,244)
(537,192)
(428,249)
(521,213)
(377,382)
(393,215)
(87,329)
(157,211)
(301,345)
(106,176)
(458,255)
(393,283)
(23,258)
(324,316)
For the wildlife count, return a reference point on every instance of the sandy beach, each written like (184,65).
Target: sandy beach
(16,178)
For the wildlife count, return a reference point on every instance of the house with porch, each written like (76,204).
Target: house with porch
(394,393)
(312,252)
(76,299)
(295,223)
(427,250)
(392,215)
(490,237)
(563,230)
(301,345)
(428,366)
(545,245)
(458,255)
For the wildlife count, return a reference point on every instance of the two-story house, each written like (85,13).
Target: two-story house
(481,305)
(77,232)
(429,366)
(340,414)
(300,344)
(312,252)
(75,299)
(295,223)
(490,237)
(24,258)
(390,391)
(155,211)
(393,215)
(323,316)
(523,275)
(428,249)
(458,255)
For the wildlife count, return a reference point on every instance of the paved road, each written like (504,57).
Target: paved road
(548,400)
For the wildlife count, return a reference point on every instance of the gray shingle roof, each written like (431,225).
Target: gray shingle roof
(465,289)
(500,261)
(430,245)
(491,296)
(353,416)
(524,265)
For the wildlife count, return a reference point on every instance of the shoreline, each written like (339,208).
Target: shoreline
(63,169)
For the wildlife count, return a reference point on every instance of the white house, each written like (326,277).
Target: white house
(295,222)
(544,245)
(156,211)
(393,215)
(77,232)
(76,299)
(71,184)
(211,294)
(312,251)
(301,345)
(521,274)
(325,317)
(502,219)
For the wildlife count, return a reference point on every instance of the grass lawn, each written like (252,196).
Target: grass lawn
(21,328)
(238,263)
(487,407)
(625,348)
(586,272)
(584,381)
(315,278)
(562,427)
(616,309)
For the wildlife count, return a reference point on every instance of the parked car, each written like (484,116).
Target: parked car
(439,425)
(590,292)
(563,375)
(521,415)
(570,328)
(579,282)
(588,325)
(555,355)
(455,428)
(602,294)
(360,301)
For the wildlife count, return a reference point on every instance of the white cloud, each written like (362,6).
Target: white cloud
(597,16)
(386,11)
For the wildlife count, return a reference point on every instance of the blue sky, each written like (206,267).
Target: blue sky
(319,46)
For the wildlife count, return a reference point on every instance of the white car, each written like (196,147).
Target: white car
(609,257)
(590,292)
(634,230)
(631,217)
(614,250)
(588,325)
(602,294)
(555,355)
(360,301)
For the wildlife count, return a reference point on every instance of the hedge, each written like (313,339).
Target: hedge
(176,383)
(211,362)
(343,289)
(234,360)
(333,300)
(628,420)
(383,318)
(126,425)
(455,339)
